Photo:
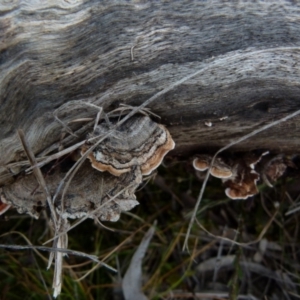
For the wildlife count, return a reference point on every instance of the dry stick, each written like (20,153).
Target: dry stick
(243,138)
(58,267)
(37,172)
(63,250)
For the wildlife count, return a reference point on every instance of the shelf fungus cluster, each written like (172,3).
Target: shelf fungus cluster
(136,148)
(138,142)
(238,175)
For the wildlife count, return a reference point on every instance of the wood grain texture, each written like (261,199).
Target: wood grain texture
(56,55)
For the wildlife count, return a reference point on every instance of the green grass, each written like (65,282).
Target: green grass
(166,267)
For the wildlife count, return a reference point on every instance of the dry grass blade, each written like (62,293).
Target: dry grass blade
(67,128)
(243,138)
(117,248)
(55,156)
(292,211)
(27,240)
(132,281)
(208,295)
(123,107)
(103,226)
(261,235)
(62,243)
(58,268)
(41,276)
(62,250)
(294,207)
(81,120)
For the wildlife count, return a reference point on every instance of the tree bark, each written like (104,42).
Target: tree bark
(57,55)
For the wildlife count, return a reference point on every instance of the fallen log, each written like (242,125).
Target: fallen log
(58,56)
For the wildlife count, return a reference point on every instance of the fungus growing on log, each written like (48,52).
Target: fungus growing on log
(242,185)
(238,175)
(134,149)
(89,194)
(218,170)
(138,142)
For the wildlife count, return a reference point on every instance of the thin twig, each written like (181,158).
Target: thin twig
(63,250)
(103,226)
(243,138)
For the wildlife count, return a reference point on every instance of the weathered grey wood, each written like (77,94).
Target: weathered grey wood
(56,54)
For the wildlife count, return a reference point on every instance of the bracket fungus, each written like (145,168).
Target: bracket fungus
(218,170)
(90,194)
(242,185)
(134,149)
(138,142)
(238,175)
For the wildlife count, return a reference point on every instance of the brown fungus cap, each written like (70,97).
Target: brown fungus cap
(137,142)
(238,175)
(156,159)
(218,170)
(98,165)
(200,164)
(245,187)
